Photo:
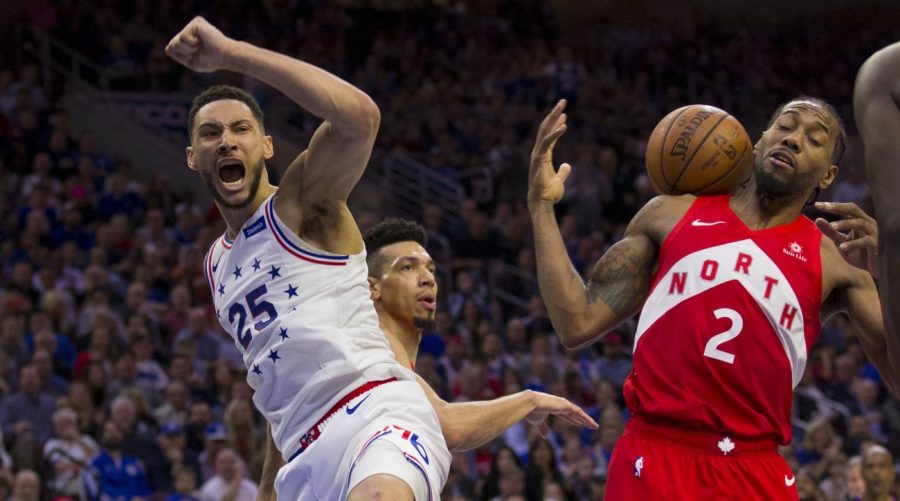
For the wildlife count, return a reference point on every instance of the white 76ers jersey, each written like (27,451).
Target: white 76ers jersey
(302,319)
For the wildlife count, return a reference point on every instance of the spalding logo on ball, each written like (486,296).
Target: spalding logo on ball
(698,149)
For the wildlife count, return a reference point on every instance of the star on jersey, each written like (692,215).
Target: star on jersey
(291,291)
(236,272)
(275,272)
(726,445)
(256,370)
(273,354)
(256,264)
(283,334)
(222,289)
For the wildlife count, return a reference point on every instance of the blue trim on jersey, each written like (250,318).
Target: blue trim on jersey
(415,462)
(270,211)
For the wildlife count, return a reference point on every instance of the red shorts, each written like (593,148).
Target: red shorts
(653,461)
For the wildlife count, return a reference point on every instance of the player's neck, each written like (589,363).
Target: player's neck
(405,333)
(760,211)
(235,218)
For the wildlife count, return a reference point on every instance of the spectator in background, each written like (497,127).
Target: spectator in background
(178,456)
(615,364)
(185,486)
(878,474)
(67,454)
(26,418)
(199,332)
(115,474)
(229,481)
(27,486)
(856,486)
(51,383)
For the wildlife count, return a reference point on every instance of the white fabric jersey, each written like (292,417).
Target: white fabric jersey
(302,319)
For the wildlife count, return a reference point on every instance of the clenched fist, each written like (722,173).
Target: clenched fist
(200,46)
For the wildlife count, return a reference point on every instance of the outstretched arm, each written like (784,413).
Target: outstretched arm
(618,283)
(850,260)
(876,104)
(467,425)
(320,179)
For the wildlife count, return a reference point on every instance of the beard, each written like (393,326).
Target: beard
(769,185)
(254,187)
(425,324)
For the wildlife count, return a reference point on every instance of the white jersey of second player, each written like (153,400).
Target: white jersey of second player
(302,319)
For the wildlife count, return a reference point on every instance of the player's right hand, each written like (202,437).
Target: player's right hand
(200,46)
(545,184)
(546,405)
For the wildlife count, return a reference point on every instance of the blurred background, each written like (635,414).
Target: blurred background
(104,312)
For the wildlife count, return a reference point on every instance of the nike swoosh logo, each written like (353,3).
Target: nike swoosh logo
(789,481)
(697,222)
(351,410)
(215,266)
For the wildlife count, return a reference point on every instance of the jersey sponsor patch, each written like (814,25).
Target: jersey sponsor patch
(255,228)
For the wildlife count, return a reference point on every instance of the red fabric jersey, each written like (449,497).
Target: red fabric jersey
(723,336)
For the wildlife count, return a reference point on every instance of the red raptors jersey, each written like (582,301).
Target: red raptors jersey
(723,336)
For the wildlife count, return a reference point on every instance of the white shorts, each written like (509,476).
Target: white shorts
(391,429)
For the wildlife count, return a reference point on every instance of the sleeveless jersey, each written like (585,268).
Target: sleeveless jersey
(302,319)
(723,336)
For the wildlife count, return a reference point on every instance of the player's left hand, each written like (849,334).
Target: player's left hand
(855,234)
(546,405)
(200,46)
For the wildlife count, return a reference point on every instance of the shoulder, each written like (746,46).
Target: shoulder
(658,216)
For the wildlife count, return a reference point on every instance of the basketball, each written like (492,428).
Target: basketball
(698,149)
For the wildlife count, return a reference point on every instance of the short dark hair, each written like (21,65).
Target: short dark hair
(222,92)
(841,143)
(387,232)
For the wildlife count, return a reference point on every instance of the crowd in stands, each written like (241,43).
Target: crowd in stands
(115,376)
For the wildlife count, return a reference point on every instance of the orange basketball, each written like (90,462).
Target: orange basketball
(698,149)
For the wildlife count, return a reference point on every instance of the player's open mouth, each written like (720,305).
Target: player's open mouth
(428,302)
(781,159)
(231,172)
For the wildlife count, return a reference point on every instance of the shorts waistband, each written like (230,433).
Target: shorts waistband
(315,431)
(701,441)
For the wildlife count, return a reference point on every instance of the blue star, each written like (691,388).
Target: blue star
(222,289)
(291,291)
(273,354)
(256,264)
(236,272)
(256,370)
(283,334)
(275,272)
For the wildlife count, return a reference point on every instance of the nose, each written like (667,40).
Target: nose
(226,143)
(426,277)
(791,141)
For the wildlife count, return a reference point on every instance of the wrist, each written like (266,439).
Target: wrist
(234,55)
(539,208)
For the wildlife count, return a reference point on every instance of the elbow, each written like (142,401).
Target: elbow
(367,118)
(454,439)
(574,340)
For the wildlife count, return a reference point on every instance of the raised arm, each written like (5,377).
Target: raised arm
(618,284)
(467,425)
(876,104)
(320,179)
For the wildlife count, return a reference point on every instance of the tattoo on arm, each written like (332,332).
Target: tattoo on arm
(621,278)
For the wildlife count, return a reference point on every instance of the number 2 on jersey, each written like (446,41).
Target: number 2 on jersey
(712,346)
(256,309)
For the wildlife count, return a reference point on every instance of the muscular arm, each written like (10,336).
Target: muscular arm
(467,425)
(876,104)
(857,296)
(617,286)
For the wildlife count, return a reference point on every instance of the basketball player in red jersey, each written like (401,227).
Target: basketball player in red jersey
(732,289)
(876,103)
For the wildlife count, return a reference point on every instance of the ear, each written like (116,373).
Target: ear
(189,153)
(268,148)
(829,176)
(374,289)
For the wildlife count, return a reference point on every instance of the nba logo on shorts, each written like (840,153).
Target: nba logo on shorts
(638,466)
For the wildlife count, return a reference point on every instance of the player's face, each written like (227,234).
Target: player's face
(794,155)
(229,150)
(407,288)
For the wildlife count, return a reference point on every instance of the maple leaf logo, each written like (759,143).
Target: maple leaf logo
(726,445)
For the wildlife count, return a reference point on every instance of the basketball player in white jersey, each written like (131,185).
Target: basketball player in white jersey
(288,279)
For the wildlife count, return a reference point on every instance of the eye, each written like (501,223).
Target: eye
(242,128)
(815,142)
(209,133)
(782,127)
(407,267)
